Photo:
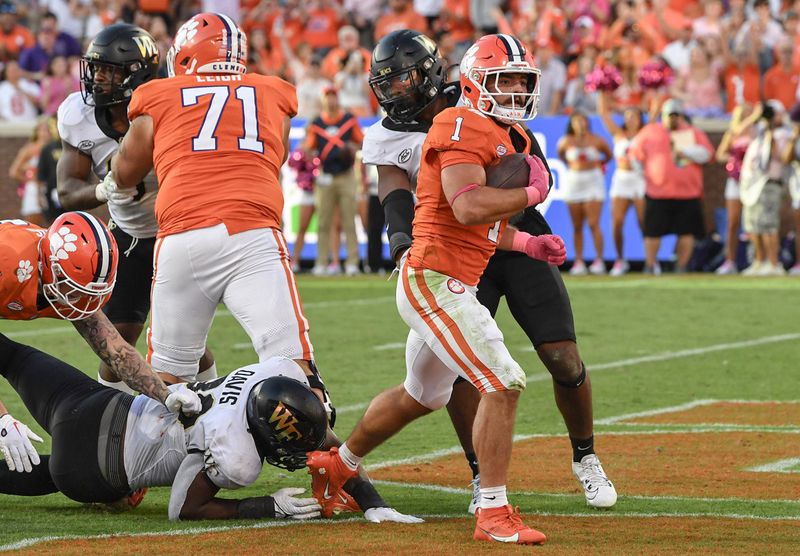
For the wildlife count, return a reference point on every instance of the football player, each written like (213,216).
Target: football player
(106,442)
(91,124)
(218,137)
(407,77)
(67,271)
(458,224)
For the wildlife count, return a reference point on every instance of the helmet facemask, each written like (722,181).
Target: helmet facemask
(71,300)
(404,93)
(523,106)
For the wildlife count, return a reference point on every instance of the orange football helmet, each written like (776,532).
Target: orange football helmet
(208,43)
(481,67)
(78,258)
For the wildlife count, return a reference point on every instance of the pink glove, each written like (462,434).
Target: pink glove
(538,181)
(547,248)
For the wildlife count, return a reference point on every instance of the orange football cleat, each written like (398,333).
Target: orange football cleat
(504,524)
(328,475)
(135,498)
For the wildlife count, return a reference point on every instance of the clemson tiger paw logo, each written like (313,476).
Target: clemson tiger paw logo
(24,271)
(62,243)
(186,33)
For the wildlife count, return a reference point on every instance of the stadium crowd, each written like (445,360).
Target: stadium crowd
(597,57)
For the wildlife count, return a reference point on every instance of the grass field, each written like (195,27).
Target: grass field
(697,408)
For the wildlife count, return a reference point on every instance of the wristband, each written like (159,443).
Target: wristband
(520,241)
(534,196)
(256,508)
(463,190)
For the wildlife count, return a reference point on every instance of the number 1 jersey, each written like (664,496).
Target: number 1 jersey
(218,149)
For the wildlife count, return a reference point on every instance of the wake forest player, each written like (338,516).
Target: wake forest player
(91,124)
(107,443)
(407,77)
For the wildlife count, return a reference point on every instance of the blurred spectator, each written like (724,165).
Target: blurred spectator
(19,97)
(455,21)
(431,9)
(46,172)
(375,221)
(482,13)
(24,171)
(629,93)
(451,56)
(288,24)
(323,19)
(362,14)
(730,152)
(553,81)
(353,86)
(677,52)
(335,136)
(660,23)
(577,98)
(57,85)
(583,187)
(697,86)
(261,58)
(541,19)
(711,21)
(72,16)
(310,87)
(761,33)
(762,178)
(627,183)
(792,158)
(598,11)
(741,77)
(50,42)
(13,36)
(672,153)
(733,20)
(306,212)
(297,61)
(336,59)
(791,28)
(401,15)
(585,32)
(782,79)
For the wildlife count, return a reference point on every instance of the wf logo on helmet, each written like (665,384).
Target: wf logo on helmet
(147,46)
(284,424)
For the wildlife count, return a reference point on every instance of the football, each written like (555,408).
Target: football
(508,172)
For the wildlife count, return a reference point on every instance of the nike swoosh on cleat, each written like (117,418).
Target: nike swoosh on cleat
(491,498)
(498,538)
(325,494)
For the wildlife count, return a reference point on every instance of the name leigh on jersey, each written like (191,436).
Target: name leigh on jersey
(233,386)
(219,67)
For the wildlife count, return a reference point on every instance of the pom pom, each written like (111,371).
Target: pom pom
(604,78)
(306,168)
(655,74)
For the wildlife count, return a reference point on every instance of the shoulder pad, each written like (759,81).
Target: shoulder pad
(454,126)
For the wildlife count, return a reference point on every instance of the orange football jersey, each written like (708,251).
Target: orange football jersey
(19,272)
(458,135)
(218,149)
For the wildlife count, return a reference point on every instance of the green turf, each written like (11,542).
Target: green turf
(616,320)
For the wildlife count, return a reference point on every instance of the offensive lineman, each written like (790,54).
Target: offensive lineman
(91,123)
(407,77)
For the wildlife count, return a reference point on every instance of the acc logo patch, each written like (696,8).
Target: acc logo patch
(85,145)
(455,286)
(404,156)
(15,306)
(501,150)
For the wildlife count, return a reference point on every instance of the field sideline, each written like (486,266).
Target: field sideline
(697,411)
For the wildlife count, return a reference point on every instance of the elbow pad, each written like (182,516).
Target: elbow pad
(398,207)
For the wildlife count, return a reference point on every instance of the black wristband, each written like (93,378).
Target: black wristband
(257,507)
(398,207)
(364,493)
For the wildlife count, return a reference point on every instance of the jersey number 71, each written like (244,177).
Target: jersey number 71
(206,140)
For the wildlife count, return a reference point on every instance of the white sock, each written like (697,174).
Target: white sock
(493,497)
(349,458)
(209,374)
(118,385)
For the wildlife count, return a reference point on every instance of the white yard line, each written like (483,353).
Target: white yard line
(666,356)
(781,466)
(653,412)
(452,490)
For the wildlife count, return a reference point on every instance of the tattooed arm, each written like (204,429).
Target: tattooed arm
(120,356)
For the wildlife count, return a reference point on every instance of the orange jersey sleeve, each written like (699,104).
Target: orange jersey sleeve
(441,243)
(19,271)
(218,149)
